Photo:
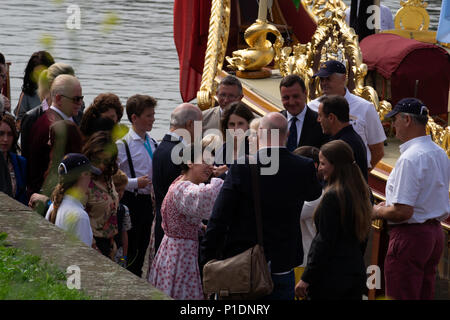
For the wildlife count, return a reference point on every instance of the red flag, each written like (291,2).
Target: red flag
(190,32)
(302,24)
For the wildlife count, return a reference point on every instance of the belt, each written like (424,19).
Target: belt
(429,221)
(143,195)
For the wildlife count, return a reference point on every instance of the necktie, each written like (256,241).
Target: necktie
(292,139)
(148,147)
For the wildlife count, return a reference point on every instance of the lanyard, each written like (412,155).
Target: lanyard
(148,147)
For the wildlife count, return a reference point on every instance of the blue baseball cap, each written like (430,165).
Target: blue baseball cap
(76,161)
(330,67)
(409,105)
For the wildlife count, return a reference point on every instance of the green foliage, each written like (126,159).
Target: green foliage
(24,277)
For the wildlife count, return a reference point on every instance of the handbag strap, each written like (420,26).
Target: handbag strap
(257,203)
(130,162)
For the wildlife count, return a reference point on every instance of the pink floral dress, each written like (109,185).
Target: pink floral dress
(175,268)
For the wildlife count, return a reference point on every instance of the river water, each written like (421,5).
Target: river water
(136,54)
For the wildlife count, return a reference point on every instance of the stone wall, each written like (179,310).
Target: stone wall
(100,277)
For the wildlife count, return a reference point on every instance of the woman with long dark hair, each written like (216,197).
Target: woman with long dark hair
(335,267)
(234,124)
(29,97)
(16,165)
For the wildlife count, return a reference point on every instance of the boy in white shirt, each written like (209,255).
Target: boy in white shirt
(135,157)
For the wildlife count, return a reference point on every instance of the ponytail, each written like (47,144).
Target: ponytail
(58,194)
(57,197)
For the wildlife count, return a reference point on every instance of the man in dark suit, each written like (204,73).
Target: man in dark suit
(231,227)
(66,103)
(303,127)
(165,171)
(334,119)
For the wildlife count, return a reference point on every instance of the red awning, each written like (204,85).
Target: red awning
(407,62)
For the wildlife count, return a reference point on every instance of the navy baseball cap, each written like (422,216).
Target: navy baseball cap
(330,67)
(76,161)
(409,105)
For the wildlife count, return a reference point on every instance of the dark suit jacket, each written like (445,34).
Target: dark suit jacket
(39,155)
(164,173)
(28,120)
(349,135)
(20,167)
(335,268)
(5,178)
(312,134)
(231,227)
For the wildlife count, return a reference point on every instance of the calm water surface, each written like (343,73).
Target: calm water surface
(137,54)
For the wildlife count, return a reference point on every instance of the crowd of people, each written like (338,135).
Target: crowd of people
(188,198)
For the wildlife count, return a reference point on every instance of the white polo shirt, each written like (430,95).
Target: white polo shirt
(72,217)
(364,119)
(421,179)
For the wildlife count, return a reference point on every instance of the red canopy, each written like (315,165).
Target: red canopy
(404,61)
(190,30)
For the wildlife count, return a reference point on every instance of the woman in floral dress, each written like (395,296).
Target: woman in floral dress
(189,200)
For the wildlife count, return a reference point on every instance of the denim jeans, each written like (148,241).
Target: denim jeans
(283,287)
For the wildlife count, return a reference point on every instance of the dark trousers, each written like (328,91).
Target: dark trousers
(104,245)
(159,232)
(141,214)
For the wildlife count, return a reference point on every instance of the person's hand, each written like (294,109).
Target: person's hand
(36,198)
(7,104)
(218,171)
(377,207)
(301,289)
(143,182)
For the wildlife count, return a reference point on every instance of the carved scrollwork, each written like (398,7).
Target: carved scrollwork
(333,40)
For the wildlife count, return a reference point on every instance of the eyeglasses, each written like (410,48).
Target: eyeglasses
(76,99)
(229,96)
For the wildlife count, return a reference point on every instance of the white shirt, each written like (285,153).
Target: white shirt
(62,114)
(299,123)
(142,162)
(386,18)
(307,226)
(420,179)
(364,119)
(72,217)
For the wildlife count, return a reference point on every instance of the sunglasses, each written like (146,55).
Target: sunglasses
(76,99)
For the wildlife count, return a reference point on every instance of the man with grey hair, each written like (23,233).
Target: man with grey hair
(66,102)
(363,115)
(229,90)
(232,228)
(416,202)
(165,171)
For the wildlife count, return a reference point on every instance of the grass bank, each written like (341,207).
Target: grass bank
(24,277)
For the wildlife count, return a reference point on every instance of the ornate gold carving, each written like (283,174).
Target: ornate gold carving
(319,8)
(333,40)
(219,26)
(412,16)
(261,51)
(440,135)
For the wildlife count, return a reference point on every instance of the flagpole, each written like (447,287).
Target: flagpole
(262,12)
